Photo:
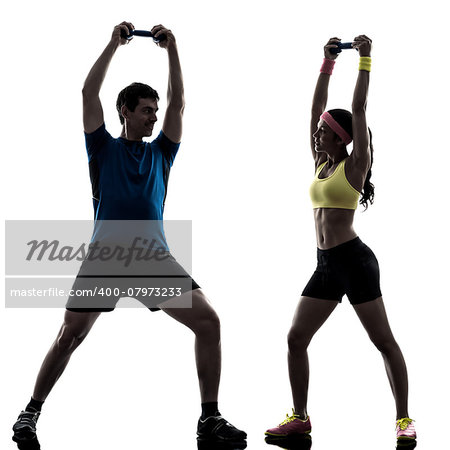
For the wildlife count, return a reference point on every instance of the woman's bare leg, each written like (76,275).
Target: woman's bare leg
(310,315)
(374,319)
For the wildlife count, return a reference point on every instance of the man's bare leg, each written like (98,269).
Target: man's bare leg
(74,329)
(204,322)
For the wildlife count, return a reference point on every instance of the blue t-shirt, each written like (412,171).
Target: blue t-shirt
(129,179)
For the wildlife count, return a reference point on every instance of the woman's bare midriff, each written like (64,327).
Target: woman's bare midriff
(334,226)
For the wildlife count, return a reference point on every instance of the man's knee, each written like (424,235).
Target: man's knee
(68,340)
(72,333)
(208,326)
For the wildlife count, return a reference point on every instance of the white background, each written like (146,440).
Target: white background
(242,176)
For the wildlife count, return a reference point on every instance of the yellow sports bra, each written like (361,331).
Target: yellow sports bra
(334,191)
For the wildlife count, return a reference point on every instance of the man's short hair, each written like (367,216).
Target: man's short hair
(130,96)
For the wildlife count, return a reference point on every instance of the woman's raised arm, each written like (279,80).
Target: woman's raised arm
(320,97)
(360,156)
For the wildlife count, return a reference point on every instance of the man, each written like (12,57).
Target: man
(129,182)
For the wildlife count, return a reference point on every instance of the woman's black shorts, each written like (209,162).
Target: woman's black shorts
(350,268)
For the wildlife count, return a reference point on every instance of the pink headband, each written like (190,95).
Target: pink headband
(328,119)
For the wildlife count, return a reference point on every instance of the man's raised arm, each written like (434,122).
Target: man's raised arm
(173,119)
(92,107)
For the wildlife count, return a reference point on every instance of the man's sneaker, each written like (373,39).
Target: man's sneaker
(290,426)
(405,429)
(217,428)
(25,427)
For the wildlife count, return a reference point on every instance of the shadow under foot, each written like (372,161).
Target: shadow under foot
(208,444)
(300,442)
(27,444)
(406,444)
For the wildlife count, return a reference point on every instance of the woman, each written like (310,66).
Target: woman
(345,264)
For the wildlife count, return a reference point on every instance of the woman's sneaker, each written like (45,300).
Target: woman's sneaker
(25,426)
(290,426)
(405,429)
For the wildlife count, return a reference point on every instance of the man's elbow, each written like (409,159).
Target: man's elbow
(84,90)
(88,92)
(177,105)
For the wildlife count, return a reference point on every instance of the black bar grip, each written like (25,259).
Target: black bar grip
(142,33)
(341,46)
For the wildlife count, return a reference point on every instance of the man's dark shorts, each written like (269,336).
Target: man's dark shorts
(99,285)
